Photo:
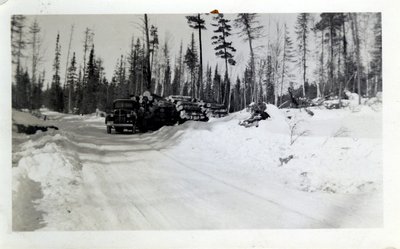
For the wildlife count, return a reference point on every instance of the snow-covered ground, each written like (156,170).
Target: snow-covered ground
(318,171)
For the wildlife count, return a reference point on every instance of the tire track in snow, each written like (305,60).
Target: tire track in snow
(244,190)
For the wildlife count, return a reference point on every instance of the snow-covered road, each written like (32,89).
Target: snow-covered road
(158,181)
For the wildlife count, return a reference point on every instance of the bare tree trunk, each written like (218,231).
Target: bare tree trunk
(304,62)
(367,82)
(252,67)
(340,81)
(322,64)
(283,69)
(148,71)
(200,87)
(344,62)
(357,44)
(66,71)
(331,77)
(85,49)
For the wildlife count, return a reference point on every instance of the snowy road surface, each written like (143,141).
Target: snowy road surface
(185,177)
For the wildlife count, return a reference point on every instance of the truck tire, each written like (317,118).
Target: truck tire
(109,129)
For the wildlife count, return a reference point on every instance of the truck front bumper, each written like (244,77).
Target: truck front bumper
(120,125)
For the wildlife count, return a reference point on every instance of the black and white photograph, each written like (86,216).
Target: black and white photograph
(212,121)
(196,121)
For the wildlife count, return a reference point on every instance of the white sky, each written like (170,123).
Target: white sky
(113,34)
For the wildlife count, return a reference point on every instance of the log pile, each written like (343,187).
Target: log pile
(192,109)
(214,110)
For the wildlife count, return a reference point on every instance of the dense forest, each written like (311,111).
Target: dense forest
(327,54)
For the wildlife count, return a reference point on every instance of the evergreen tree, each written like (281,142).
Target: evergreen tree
(120,79)
(332,22)
(191,61)
(37,93)
(17,39)
(217,85)
(236,97)
(90,88)
(23,82)
(35,42)
(302,31)
(87,43)
(103,95)
(208,96)
(224,50)
(153,43)
(288,57)
(196,22)
(178,73)
(56,92)
(17,47)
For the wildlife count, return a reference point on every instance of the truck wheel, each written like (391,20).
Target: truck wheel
(133,130)
(109,129)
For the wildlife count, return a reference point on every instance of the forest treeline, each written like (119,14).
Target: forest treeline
(327,54)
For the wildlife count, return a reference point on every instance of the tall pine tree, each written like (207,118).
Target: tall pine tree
(196,22)
(56,92)
(224,50)
(302,31)
(191,61)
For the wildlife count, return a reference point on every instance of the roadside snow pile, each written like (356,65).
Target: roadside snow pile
(24,122)
(329,152)
(25,118)
(56,169)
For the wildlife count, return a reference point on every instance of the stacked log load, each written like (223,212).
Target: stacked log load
(188,108)
(214,110)
(192,109)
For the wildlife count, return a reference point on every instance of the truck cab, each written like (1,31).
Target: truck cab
(123,116)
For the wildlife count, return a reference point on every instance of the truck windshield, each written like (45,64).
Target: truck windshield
(123,105)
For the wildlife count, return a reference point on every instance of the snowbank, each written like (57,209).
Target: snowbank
(57,170)
(335,151)
(25,118)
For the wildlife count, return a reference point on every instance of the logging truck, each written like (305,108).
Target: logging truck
(151,112)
